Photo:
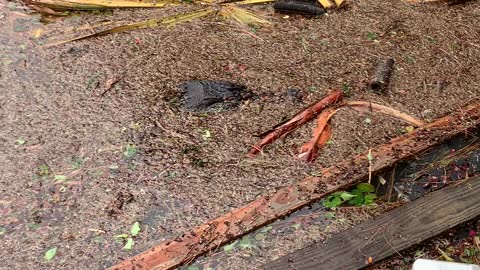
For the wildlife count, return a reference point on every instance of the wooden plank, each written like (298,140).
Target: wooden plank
(391,232)
(269,207)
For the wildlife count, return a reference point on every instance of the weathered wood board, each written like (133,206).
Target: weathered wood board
(391,232)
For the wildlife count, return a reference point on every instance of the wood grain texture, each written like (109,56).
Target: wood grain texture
(391,232)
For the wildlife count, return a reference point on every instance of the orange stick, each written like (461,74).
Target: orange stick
(297,121)
(267,208)
(309,150)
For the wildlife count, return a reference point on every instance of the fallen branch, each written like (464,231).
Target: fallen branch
(363,106)
(309,150)
(297,121)
(267,208)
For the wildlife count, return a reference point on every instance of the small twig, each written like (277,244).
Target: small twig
(392,183)
(391,245)
(370,165)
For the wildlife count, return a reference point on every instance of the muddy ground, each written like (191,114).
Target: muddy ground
(82,161)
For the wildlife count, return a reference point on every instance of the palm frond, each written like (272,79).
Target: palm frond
(99,4)
(241,15)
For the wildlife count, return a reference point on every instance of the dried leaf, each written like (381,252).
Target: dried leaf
(169,21)
(249,2)
(98,4)
(325,3)
(241,15)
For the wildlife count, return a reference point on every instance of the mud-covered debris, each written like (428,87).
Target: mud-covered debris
(293,94)
(207,96)
(115,207)
(299,7)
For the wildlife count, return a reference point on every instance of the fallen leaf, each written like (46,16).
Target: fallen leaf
(230,247)
(129,244)
(50,254)
(135,229)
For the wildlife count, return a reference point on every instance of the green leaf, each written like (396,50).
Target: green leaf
(332,201)
(50,254)
(330,142)
(296,226)
(130,151)
(358,200)
(266,229)
(369,199)
(59,178)
(124,236)
(347,196)
(330,215)
(409,129)
(193,267)
(129,244)
(365,187)
(245,243)
(2,230)
(34,226)
(206,134)
(43,170)
(20,142)
(98,239)
(370,156)
(372,36)
(135,229)
(229,248)
(260,236)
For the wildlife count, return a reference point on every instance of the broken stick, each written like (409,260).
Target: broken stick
(297,121)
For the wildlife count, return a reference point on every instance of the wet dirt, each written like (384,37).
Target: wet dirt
(90,124)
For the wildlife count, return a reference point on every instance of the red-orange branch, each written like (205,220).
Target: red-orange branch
(267,208)
(297,121)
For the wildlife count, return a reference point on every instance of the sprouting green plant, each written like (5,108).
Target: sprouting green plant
(347,91)
(206,134)
(372,36)
(19,142)
(128,237)
(130,151)
(362,194)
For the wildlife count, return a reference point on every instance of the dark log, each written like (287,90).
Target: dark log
(299,7)
(382,75)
